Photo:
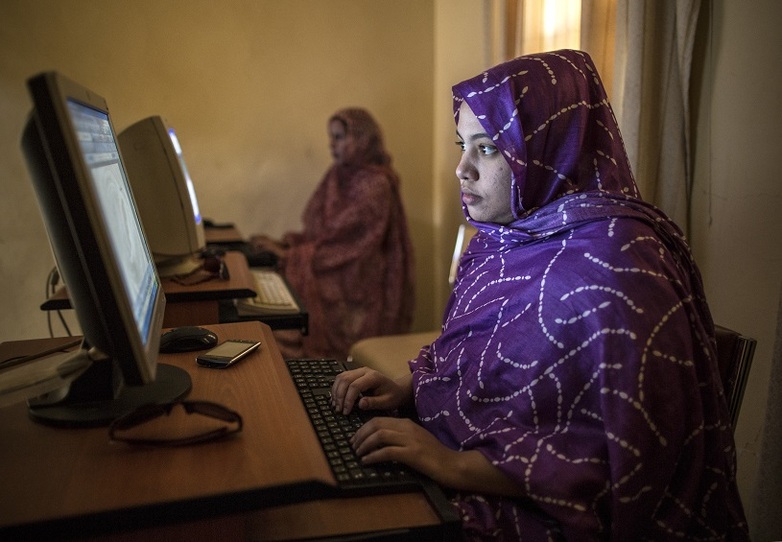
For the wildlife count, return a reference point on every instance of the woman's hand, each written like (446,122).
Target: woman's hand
(400,439)
(403,440)
(263,242)
(380,392)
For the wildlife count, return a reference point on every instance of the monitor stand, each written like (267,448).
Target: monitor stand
(98,396)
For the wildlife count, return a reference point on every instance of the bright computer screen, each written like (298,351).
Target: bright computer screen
(102,254)
(190,188)
(165,194)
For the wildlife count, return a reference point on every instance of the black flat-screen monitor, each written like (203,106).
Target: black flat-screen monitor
(102,254)
(165,195)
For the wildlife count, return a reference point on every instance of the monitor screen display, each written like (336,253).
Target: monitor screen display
(190,188)
(116,207)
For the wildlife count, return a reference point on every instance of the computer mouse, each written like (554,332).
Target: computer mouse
(187,339)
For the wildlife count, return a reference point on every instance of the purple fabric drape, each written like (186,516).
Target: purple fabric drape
(577,351)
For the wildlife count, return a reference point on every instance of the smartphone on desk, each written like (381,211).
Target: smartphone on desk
(226,353)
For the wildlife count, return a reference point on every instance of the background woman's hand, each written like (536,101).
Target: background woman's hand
(263,242)
(379,391)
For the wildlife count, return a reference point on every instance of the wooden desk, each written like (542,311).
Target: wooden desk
(228,234)
(66,483)
(200,303)
(209,302)
(239,284)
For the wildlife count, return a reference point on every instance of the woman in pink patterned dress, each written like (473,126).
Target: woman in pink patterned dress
(352,264)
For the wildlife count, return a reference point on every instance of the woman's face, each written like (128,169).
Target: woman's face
(483,173)
(340,142)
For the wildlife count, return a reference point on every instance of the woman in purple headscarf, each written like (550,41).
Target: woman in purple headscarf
(574,392)
(352,264)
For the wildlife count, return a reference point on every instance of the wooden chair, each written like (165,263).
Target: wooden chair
(734,355)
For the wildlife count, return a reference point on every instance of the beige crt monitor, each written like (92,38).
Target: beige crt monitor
(164,194)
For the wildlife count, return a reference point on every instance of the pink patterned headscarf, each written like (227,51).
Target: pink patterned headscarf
(367,136)
(577,351)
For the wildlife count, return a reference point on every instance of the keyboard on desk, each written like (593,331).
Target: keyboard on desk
(313,379)
(272,295)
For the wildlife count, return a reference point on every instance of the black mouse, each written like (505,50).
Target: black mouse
(187,339)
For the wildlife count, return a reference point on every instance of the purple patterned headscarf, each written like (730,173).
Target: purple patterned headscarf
(577,351)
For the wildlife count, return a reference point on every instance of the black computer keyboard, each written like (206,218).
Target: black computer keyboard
(313,379)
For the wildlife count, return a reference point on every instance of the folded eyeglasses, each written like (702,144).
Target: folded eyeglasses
(147,423)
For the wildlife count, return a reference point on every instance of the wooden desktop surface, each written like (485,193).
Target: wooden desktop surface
(50,473)
(223,235)
(209,302)
(239,284)
(76,479)
(193,304)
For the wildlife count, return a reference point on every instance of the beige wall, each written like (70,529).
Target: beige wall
(249,86)
(737,221)
(461,51)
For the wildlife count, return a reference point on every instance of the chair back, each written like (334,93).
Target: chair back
(734,355)
(463,236)
(389,354)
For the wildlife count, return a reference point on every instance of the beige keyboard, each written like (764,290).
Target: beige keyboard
(273,295)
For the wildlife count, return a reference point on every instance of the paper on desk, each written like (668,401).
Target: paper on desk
(39,376)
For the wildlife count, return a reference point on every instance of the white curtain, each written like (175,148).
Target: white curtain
(520,27)
(643,51)
(654,45)
(598,37)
